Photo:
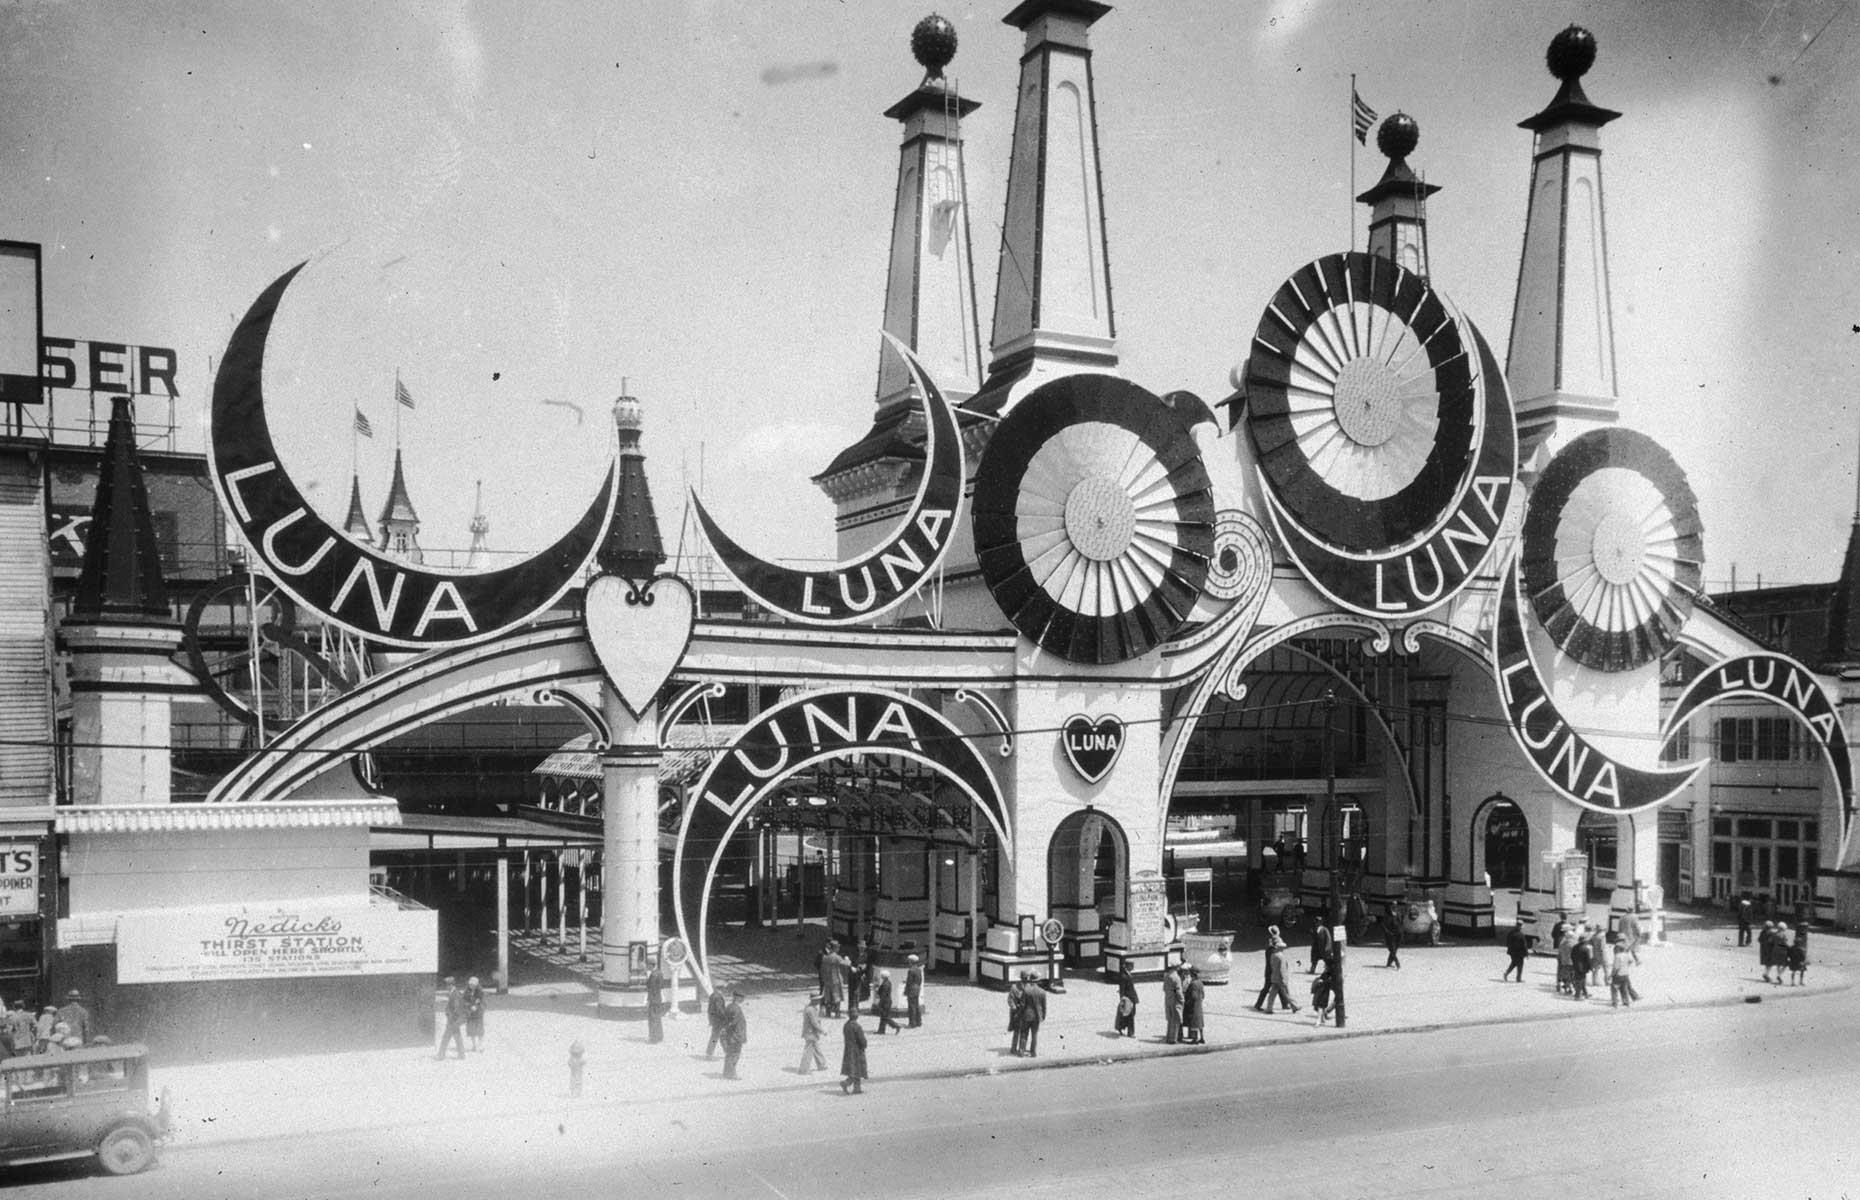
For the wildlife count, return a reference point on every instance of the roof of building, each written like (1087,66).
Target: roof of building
(399,506)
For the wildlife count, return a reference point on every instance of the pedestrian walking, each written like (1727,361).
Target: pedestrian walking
(852,1056)
(1276,978)
(1579,963)
(1766,950)
(735,1034)
(1194,1007)
(1743,919)
(1621,979)
(861,977)
(914,990)
(1391,935)
(1264,1001)
(655,1001)
(1798,954)
(74,1014)
(1017,1014)
(1126,1022)
(717,1009)
(474,1014)
(881,1005)
(1172,1004)
(1517,945)
(1033,1014)
(1563,945)
(1630,935)
(1320,944)
(832,979)
(454,1033)
(811,1030)
(1598,958)
(1320,990)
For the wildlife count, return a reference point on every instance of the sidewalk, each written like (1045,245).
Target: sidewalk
(523,1069)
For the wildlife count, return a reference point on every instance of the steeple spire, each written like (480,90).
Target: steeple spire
(1561,363)
(633,549)
(356,526)
(121,575)
(1398,201)
(400,525)
(930,293)
(930,301)
(1053,311)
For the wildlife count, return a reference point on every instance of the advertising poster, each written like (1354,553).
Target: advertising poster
(183,947)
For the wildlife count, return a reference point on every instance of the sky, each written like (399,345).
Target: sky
(517,210)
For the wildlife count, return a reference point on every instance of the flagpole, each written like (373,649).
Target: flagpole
(397,370)
(1350,132)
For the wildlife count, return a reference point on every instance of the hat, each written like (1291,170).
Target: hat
(74,1042)
(815,999)
(910,958)
(73,995)
(472,982)
(51,1008)
(448,979)
(61,1030)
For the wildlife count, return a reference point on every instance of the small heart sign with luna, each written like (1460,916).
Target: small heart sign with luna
(1092,746)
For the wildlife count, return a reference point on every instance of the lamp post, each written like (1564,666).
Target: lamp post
(1335,847)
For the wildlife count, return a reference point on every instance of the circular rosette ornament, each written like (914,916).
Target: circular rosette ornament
(1093,518)
(1361,402)
(1613,552)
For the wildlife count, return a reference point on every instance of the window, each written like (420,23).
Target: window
(1778,627)
(1775,739)
(109,1076)
(1748,827)
(1788,863)
(1721,858)
(1679,748)
(1735,739)
(46,1083)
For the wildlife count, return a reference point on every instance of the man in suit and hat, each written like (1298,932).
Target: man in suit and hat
(455,1019)
(77,1016)
(811,1029)
(1033,1014)
(914,990)
(735,1034)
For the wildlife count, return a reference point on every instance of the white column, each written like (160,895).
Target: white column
(629,854)
(503,923)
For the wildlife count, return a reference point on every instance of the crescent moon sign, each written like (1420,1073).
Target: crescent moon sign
(884,578)
(1569,762)
(322,568)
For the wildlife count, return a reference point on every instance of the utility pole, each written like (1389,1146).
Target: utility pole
(1335,848)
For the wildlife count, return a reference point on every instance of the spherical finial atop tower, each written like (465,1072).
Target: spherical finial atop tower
(1399,135)
(933,43)
(1571,53)
(626,412)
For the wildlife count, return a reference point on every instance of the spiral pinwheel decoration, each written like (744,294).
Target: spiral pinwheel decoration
(1093,518)
(1613,552)
(1361,402)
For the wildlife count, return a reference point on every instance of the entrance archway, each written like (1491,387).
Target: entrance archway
(785,742)
(1597,835)
(1087,870)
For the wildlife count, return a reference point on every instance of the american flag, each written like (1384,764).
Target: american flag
(405,398)
(362,426)
(1362,116)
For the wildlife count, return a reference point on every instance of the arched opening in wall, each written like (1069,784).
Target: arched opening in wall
(1087,872)
(1597,835)
(1506,844)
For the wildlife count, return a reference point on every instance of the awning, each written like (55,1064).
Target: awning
(448,831)
(271,814)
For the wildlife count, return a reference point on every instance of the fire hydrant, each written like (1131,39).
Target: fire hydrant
(576,1053)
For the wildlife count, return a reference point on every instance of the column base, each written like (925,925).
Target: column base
(620,1002)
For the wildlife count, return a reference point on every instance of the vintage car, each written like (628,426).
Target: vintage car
(81,1102)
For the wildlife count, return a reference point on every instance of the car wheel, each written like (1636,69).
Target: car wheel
(125,1150)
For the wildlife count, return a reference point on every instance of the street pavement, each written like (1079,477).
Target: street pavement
(522,1073)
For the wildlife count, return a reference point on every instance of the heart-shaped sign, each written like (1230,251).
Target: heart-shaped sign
(1092,746)
(639,633)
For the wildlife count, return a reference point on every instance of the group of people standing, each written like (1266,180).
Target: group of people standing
(464,1016)
(1586,955)
(1185,1009)
(1026,1001)
(850,982)
(54,1030)
(1780,948)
